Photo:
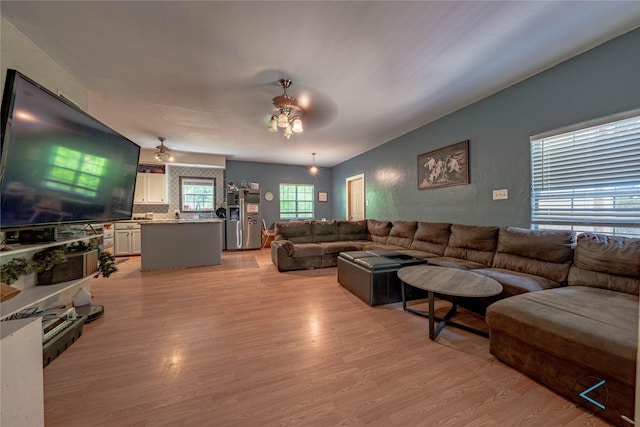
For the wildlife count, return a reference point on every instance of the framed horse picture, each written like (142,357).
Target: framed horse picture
(444,167)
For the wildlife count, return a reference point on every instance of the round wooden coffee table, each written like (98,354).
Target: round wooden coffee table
(446,281)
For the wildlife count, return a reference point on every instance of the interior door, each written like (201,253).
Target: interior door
(355,198)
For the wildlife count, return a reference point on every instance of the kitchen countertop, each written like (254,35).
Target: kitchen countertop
(178,221)
(171,221)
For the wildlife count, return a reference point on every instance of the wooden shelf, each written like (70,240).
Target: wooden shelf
(35,295)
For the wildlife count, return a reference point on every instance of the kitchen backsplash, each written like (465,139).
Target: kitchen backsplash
(175,172)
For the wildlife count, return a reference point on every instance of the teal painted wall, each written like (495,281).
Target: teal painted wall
(600,82)
(270,176)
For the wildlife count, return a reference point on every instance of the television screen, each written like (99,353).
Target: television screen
(59,165)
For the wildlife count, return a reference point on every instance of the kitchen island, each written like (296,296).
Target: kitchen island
(181,243)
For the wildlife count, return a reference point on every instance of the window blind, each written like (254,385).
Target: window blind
(588,178)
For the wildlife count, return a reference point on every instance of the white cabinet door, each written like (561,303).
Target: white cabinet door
(127,238)
(156,188)
(135,242)
(122,244)
(140,192)
(150,188)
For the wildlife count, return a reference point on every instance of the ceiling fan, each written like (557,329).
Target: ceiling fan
(315,108)
(288,113)
(163,154)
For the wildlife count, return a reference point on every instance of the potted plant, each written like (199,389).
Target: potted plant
(46,259)
(60,264)
(106,263)
(65,263)
(12,270)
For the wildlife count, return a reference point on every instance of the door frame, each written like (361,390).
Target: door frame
(348,195)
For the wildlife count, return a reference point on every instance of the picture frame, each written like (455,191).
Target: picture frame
(323,196)
(444,167)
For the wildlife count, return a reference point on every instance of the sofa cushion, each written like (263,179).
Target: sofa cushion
(473,243)
(515,283)
(352,230)
(401,233)
(453,262)
(370,246)
(606,262)
(541,253)
(302,250)
(324,231)
(415,253)
(431,237)
(341,246)
(572,324)
(545,245)
(295,231)
(378,230)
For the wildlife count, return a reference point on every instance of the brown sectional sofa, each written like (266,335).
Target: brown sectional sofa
(571,337)
(522,260)
(565,315)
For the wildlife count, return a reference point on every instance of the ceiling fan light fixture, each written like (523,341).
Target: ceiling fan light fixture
(287,112)
(288,132)
(273,125)
(283,120)
(163,154)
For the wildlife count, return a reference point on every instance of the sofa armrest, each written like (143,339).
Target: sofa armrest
(287,245)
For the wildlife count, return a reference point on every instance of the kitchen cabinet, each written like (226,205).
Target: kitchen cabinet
(151,188)
(127,238)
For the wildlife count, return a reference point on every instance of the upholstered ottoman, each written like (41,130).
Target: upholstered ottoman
(374,278)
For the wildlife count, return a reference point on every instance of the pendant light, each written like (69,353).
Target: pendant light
(313,170)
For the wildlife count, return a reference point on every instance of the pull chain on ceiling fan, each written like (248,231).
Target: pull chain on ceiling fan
(287,114)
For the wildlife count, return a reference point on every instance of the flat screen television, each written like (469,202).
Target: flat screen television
(58,164)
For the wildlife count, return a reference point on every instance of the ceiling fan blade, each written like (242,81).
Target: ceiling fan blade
(319,110)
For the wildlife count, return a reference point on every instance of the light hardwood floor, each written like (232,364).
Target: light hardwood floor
(243,345)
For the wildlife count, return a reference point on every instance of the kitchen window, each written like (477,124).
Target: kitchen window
(197,194)
(296,201)
(588,178)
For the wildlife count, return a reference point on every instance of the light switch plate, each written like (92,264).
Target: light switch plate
(501,194)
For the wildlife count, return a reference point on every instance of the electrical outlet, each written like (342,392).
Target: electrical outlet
(501,194)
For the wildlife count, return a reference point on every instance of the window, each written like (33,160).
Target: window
(588,179)
(197,194)
(296,201)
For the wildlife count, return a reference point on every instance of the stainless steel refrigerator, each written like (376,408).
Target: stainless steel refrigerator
(244,219)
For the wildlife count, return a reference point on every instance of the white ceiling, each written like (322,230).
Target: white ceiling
(202,74)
